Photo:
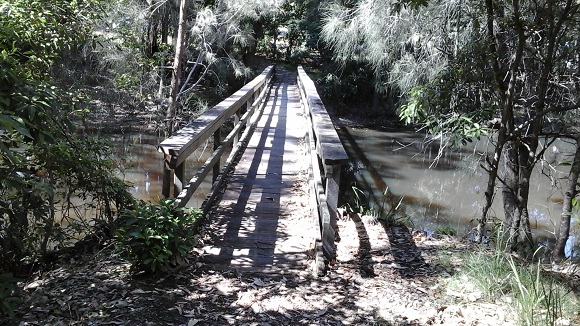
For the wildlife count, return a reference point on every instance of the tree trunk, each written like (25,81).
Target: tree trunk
(176,73)
(505,121)
(165,18)
(152,41)
(507,94)
(527,161)
(510,191)
(562,237)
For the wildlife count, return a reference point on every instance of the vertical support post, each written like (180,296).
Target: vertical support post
(237,136)
(217,139)
(327,228)
(178,179)
(167,179)
(332,188)
(249,104)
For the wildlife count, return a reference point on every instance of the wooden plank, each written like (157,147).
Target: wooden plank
(259,225)
(331,149)
(186,140)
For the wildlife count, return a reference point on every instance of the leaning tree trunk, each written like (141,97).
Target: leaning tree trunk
(559,250)
(176,73)
(510,192)
(526,155)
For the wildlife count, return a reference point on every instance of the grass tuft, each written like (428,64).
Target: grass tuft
(534,296)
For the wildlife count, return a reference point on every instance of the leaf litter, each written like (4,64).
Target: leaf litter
(392,278)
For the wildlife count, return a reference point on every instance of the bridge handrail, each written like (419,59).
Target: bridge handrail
(183,143)
(327,152)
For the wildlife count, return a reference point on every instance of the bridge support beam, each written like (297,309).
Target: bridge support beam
(217,140)
(167,180)
(332,187)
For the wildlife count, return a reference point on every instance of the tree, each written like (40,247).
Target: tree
(217,40)
(176,68)
(461,63)
(43,163)
(570,201)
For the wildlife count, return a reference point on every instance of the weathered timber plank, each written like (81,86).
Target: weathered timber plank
(186,140)
(260,225)
(331,149)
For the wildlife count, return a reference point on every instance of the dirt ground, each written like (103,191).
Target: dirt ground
(382,276)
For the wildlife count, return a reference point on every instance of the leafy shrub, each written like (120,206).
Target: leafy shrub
(446,230)
(8,295)
(40,208)
(156,237)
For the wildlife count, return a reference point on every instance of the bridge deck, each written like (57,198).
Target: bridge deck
(263,222)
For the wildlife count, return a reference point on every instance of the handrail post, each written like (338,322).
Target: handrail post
(332,187)
(167,179)
(249,104)
(178,179)
(236,121)
(217,139)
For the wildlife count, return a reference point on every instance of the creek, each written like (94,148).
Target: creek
(402,173)
(141,166)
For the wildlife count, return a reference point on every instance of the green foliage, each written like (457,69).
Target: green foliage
(347,89)
(156,237)
(38,33)
(453,106)
(536,297)
(44,166)
(8,295)
(539,299)
(54,194)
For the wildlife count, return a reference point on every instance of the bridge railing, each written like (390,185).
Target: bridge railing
(183,143)
(327,154)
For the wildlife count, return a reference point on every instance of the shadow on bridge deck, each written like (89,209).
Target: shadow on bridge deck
(263,223)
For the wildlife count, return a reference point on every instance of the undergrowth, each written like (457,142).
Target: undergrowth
(157,237)
(534,296)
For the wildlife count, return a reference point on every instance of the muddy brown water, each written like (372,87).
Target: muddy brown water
(437,189)
(141,165)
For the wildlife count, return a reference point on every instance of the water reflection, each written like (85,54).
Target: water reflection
(437,188)
(141,165)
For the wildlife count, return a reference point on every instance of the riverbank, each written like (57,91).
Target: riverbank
(382,276)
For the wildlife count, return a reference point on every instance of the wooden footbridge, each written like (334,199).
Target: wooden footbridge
(272,206)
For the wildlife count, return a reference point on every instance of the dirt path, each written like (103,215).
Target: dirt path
(381,277)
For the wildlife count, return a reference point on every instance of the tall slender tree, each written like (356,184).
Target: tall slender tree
(176,68)
(461,63)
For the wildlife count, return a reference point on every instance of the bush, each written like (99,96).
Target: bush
(8,296)
(157,237)
(55,194)
(535,297)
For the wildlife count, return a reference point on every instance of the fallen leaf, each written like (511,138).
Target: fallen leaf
(121,304)
(321,312)
(259,282)
(193,322)
(206,289)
